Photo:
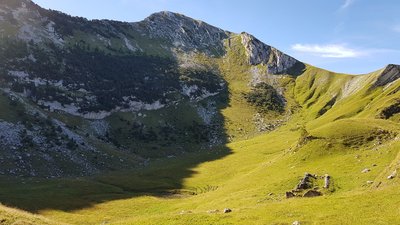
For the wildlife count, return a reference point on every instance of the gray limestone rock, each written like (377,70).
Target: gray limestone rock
(260,53)
(390,74)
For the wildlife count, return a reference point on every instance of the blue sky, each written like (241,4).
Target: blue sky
(350,36)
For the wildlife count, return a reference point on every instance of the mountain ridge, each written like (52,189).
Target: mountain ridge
(168,15)
(139,75)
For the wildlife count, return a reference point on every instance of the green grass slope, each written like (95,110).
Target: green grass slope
(11,216)
(251,181)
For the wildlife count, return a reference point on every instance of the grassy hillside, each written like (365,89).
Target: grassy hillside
(10,216)
(341,138)
(251,181)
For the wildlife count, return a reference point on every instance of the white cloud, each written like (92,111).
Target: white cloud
(347,4)
(328,51)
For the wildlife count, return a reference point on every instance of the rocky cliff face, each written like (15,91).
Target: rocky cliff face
(390,74)
(260,53)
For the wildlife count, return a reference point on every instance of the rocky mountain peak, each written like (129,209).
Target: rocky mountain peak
(184,32)
(165,15)
(390,74)
(259,53)
(395,66)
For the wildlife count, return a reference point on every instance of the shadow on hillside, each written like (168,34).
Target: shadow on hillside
(161,178)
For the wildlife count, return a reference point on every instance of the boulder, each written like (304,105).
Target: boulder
(393,175)
(366,170)
(290,194)
(227,210)
(312,193)
(305,182)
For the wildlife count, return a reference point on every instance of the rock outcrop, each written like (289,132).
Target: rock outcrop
(390,74)
(306,182)
(308,186)
(327,181)
(260,53)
